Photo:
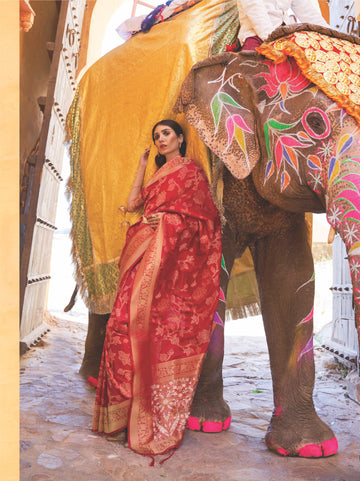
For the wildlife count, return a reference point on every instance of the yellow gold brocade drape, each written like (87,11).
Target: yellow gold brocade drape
(119,100)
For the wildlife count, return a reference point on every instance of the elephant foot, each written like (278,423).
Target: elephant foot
(90,368)
(209,417)
(309,439)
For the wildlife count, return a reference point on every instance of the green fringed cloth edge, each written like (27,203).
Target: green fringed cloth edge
(97,283)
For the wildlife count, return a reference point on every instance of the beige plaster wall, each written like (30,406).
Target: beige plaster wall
(9,246)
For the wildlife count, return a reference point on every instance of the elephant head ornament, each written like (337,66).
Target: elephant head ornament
(299,151)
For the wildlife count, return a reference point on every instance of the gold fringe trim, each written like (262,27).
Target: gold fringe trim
(288,48)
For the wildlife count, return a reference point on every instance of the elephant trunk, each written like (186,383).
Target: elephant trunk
(353,252)
(343,210)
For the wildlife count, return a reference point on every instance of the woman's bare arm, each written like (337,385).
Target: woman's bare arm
(134,200)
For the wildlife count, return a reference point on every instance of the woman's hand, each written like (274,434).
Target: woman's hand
(134,202)
(145,157)
(154,219)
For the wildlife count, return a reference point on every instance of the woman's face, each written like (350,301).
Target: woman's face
(167,142)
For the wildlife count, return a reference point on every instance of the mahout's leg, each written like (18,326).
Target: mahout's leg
(285,274)
(209,411)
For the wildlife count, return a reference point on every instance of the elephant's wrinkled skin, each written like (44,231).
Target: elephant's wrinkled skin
(287,149)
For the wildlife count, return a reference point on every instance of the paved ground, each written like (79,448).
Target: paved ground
(56,412)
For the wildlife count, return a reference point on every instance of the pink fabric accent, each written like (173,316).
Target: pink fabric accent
(329,447)
(227,423)
(251,43)
(193,424)
(212,427)
(310,451)
(278,411)
(231,48)
(283,452)
(92,381)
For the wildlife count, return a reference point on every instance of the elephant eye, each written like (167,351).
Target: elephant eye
(316,123)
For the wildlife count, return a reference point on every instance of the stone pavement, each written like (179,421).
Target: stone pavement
(56,412)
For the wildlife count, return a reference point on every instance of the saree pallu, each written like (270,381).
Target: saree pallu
(160,326)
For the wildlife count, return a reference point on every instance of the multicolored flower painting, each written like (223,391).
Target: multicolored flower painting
(283,81)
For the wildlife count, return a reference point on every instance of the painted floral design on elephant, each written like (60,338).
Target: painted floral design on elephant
(287,146)
(341,177)
(286,150)
(223,103)
(283,81)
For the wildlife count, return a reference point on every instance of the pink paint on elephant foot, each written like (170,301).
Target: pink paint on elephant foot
(208,426)
(193,424)
(326,448)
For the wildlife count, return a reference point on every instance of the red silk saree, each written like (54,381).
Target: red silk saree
(160,326)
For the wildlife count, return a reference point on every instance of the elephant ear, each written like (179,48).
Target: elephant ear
(218,101)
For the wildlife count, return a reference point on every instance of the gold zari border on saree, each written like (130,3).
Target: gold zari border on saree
(112,418)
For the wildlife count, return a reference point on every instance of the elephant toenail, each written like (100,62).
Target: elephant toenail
(310,451)
(227,423)
(283,452)
(193,424)
(329,447)
(212,427)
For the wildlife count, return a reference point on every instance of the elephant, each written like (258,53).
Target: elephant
(285,148)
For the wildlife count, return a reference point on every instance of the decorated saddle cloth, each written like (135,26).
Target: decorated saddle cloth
(160,326)
(329,59)
(118,101)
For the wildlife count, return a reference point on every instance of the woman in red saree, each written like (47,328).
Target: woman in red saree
(160,326)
